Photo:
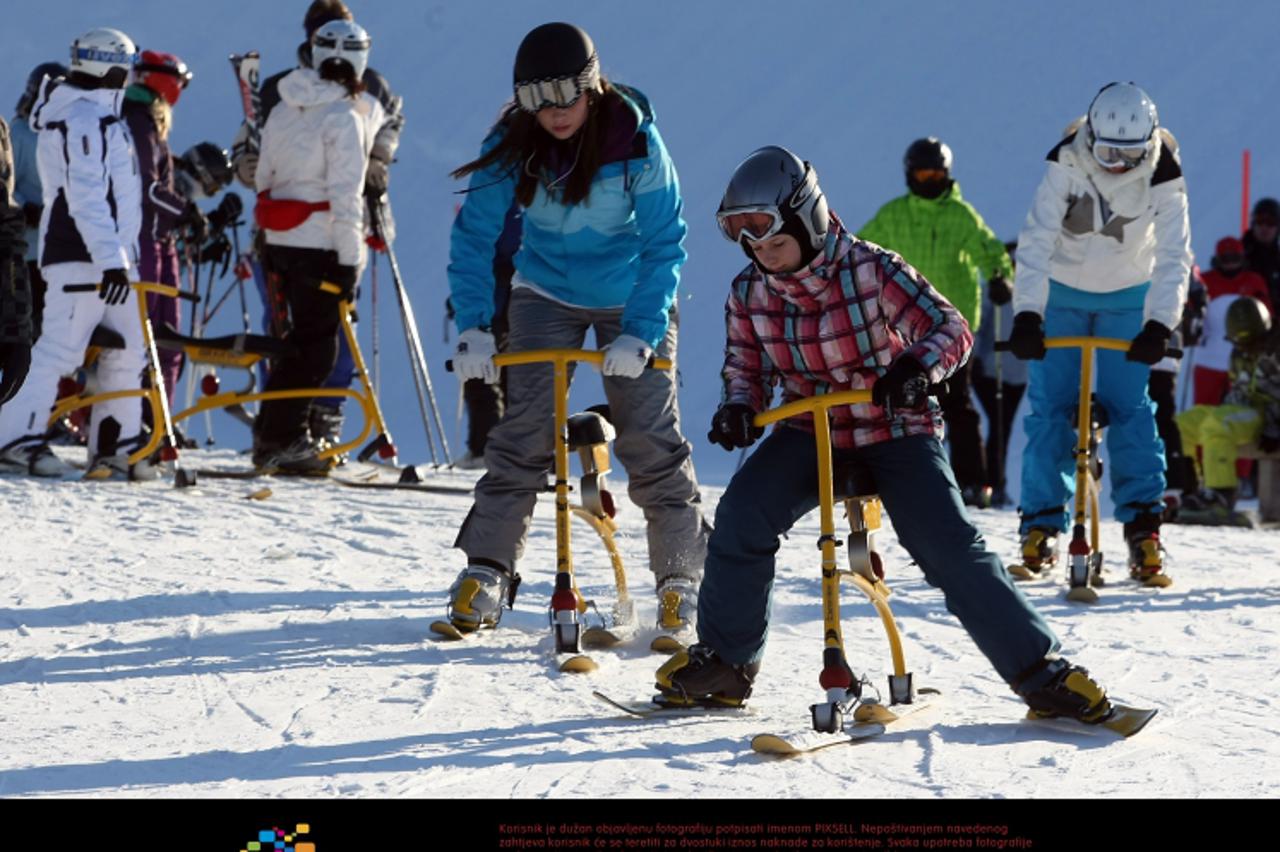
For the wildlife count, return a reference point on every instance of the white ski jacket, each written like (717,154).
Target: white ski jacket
(89,177)
(1101,232)
(315,147)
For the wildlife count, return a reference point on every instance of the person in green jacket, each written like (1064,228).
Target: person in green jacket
(941,235)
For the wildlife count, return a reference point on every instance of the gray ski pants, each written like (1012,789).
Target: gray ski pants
(520,450)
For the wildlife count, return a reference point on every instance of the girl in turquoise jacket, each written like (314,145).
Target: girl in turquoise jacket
(602,248)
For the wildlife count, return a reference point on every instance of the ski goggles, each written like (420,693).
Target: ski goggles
(562,92)
(1112,154)
(928,175)
(753,223)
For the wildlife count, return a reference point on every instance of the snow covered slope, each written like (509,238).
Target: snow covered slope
(156,642)
(847,85)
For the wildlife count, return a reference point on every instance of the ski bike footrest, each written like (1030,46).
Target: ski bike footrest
(167,337)
(852,479)
(588,429)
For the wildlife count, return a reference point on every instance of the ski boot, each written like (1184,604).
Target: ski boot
(33,460)
(977,496)
(1212,507)
(477,596)
(1039,553)
(1070,692)
(698,677)
(300,458)
(325,422)
(677,613)
(1146,556)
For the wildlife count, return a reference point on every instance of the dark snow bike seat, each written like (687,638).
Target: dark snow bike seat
(236,350)
(852,479)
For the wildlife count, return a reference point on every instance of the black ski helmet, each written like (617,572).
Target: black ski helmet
(54,70)
(1248,320)
(552,52)
(928,153)
(209,165)
(1267,208)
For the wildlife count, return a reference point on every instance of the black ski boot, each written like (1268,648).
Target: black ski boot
(699,676)
(1072,693)
(1146,556)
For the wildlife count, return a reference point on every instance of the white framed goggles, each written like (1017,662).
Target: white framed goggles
(1112,154)
(753,223)
(562,92)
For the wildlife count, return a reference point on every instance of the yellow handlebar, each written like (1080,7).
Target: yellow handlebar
(1087,343)
(590,356)
(812,404)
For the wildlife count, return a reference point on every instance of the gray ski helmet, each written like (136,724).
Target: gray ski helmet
(780,192)
(52,70)
(1247,321)
(551,52)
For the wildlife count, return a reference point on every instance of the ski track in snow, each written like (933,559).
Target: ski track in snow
(171,643)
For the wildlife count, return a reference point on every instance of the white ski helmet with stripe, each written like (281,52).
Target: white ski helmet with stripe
(343,40)
(99,51)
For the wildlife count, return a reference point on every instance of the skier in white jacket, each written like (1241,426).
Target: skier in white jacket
(1105,251)
(310,179)
(88,236)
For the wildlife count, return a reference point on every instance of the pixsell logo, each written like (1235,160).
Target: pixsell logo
(276,839)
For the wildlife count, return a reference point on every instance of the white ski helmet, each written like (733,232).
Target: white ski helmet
(344,40)
(1122,120)
(99,51)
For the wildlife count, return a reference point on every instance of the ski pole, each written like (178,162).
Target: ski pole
(411,325)
(999,424)
(377,352)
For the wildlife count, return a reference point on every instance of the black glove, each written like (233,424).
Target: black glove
(344,277)
(999,290)
(1267,443)
(1026,341)
(733,427)
(904,386)
(194,224)
(1150,344)
(31,213)
(227,211)
(15,360)
(114,288)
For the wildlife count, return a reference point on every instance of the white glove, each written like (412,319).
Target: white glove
(473,359)
(626,356)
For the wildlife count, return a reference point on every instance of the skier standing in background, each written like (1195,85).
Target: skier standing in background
(819,310)
(602,248)
(1262,245)
(326,415)
(26,174)
(940,234)
(15,291)
(88,236)
(310,182)
(995,373)
(159,80)
(1105,251)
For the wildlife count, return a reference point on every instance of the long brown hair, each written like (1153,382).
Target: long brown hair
(342,73)
(525,147)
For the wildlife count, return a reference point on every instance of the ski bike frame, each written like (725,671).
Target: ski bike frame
(865,570)
(587,434)
(1085,566)
(235,353)
(367,399)
(162,435)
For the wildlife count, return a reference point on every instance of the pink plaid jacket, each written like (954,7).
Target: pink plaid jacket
(837,325)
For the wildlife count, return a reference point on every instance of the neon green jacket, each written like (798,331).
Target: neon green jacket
(945,239)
